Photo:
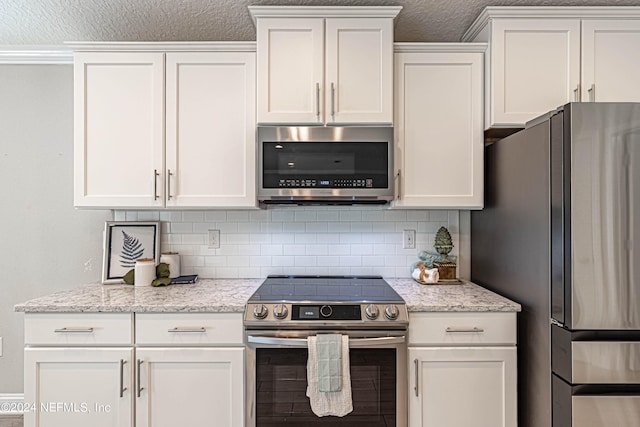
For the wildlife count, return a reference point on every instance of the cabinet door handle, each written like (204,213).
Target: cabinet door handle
(453,329)
(169,175)
(122,388)
(187,329)
(592,93)
(139,389)
(399,176)
(416,364)
(576,93)
(155,184)
(333,100)
(318,101)
(74,330)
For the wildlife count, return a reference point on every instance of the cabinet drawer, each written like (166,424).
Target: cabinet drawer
(462,328)
(189,329)
(70,329)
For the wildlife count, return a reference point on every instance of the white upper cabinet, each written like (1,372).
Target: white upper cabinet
(134,150)
(210,140)
(290,70)
(359,71)
(325,65)
(119,129)
(611,60)
(535,66)
(540,58)
(439,132)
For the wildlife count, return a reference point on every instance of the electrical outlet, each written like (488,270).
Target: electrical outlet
(214,239)
(409,239)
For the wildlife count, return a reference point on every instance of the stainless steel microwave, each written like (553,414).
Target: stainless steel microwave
(325,165)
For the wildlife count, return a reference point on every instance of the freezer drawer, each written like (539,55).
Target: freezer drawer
(608,359)
(584,406)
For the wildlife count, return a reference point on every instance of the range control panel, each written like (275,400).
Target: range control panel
(326,183)
(338,314)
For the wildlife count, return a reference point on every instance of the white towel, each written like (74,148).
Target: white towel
(337,403)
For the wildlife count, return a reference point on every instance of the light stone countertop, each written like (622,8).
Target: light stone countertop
(231,295)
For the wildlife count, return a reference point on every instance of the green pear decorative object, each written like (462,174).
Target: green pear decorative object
(443,244)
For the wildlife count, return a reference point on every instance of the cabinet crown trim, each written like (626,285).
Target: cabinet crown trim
(548,12)
(323,12)
(217,46)
(406,47)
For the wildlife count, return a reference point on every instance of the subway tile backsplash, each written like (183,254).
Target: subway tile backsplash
(298,240)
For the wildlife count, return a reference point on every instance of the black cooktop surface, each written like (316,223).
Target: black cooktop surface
(325,289)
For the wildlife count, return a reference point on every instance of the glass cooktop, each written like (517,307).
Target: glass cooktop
(325,289)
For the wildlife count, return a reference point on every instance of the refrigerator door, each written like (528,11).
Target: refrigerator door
(603,198)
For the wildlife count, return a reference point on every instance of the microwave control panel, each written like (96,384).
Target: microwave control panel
(326,183)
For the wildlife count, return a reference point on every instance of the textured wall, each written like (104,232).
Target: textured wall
(56,21)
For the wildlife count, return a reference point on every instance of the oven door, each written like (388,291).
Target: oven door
(276,379)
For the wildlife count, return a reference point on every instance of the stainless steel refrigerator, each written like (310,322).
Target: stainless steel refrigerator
(560,234)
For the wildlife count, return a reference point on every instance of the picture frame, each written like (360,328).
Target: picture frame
(126,241)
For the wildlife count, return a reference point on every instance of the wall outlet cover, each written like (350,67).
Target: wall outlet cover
(409,239)
(214,239)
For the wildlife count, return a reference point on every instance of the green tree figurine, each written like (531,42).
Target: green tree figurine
(443,244)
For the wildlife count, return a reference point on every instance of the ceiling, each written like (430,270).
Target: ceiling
(52,22)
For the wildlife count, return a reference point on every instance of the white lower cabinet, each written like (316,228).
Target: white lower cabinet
(462,370)
(190,387)
(86,369)
(78,387)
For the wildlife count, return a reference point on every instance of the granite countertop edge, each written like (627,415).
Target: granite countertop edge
(231,295)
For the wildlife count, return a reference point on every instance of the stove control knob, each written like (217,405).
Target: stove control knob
(391,312)
(260,311)
(280,311)
(326,310)
(371,311)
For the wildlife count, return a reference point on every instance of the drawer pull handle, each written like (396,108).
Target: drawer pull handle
(74,330)
(122,388)
(178,329)
(463,329)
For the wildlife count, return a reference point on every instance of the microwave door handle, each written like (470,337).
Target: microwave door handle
(302,342)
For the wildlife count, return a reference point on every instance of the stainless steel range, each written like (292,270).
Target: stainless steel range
(285,310)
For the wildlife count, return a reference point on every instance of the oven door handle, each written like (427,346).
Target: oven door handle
(302,342)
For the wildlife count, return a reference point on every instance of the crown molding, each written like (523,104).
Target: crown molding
(217,46)
(323,12)
(549,12)
(27,54)
(407,47)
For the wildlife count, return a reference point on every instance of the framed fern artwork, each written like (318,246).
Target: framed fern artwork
(124,243)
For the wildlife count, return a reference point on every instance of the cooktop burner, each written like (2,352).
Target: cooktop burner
(325,289)
(321,302)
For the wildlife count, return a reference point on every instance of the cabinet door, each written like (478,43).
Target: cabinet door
(535,67)
(611,60)
(439,129)
(210,143)
(119,100)
(359,70)
(194,387)
(290,70)
(78,387)
(462,387)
